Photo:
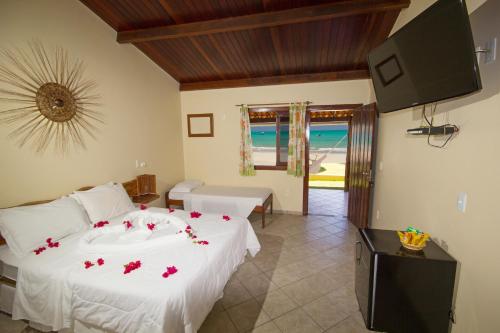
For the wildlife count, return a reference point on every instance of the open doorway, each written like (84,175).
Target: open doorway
(327,155)
(328,143)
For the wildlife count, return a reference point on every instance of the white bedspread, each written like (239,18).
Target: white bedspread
(54,288)
(238,201)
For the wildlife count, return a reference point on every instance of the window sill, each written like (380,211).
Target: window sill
(270,167)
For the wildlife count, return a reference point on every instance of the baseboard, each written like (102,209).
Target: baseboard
(288,212)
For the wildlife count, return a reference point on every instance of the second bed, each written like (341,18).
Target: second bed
(233,200)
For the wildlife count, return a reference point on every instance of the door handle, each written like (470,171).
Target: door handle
(358,256)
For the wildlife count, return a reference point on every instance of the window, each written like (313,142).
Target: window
(270,139)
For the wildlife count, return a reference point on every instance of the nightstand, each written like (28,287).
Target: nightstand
(145,198)
(142,190)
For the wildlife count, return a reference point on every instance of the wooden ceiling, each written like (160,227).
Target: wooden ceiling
(208,44)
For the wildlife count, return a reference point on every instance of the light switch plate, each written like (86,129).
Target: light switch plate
(462,202)
(491,55)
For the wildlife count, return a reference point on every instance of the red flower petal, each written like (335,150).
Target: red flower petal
(171,210)
(100,224)
(165,275)
(39,250)
(131,266)
(49,240)
(151,226)
(143,207)
(100,261)
(226,218)
(195,215)
(172,270)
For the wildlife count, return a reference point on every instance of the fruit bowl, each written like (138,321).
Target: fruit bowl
(413,239)
(412,247)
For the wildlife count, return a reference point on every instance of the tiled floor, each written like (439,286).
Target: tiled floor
(327,202)
(301,281)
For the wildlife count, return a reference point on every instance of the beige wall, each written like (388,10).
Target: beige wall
(215,160)
(418,185)
(140,104)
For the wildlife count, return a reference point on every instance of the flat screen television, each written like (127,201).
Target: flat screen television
(429,59)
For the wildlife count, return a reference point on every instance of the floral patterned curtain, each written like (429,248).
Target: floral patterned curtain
(246,161)
(297,141)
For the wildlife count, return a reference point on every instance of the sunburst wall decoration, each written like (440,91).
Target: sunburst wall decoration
(46,98)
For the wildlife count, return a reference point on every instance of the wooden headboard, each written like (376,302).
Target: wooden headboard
(131,186)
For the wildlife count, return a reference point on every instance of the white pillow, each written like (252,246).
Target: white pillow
(187,186)
(28,227)
(105,201)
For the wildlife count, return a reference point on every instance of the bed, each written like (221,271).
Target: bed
(57,290)
(240,201)
(8,276)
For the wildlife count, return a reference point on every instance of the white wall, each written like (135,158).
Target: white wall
(140,104)
(215,160)
(419,185)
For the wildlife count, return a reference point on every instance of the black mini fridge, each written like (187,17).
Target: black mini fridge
(403,291)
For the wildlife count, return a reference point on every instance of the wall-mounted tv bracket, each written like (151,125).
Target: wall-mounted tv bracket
(434,130)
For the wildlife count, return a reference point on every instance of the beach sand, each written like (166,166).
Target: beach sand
(332,170)
(267,156)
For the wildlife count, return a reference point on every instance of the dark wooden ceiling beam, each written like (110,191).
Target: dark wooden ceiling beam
(261,20)
(279,79)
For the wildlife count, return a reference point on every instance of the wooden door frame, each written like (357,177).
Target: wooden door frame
(305,184)
(348,158)
(364,133)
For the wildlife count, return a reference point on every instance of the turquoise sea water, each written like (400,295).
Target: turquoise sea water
(320,137)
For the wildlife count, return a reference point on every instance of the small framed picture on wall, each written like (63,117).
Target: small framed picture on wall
(200,125)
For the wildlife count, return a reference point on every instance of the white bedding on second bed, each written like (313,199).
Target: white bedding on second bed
(54,288)
(235,200)
(177,195)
